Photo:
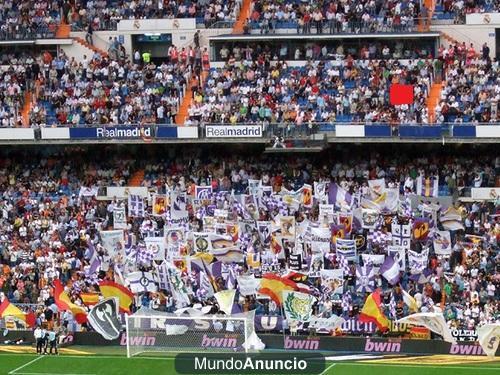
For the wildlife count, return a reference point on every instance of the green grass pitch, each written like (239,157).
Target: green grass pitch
(112,361)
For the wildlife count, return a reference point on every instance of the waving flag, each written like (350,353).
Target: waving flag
(94,261)
(339,196)
(442,242)
(124,295)
(64,303)
(225,299)
(489,338)
(273,286)
(390,270)
(89,299)
(428,187)
(377,190)
(141,282)
(135,206)
(307,196)
(421,228)
(298,306)
(409,301)
(8,309)
(371,312)
(365,279)
(434,321)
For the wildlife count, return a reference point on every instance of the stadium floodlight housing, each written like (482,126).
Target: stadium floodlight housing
(159,332)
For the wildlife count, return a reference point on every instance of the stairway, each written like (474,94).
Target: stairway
(137,178)
(187,100)
(63,31)
(239,25)
(84,43)
(25,112)
(433,100)
(452,41)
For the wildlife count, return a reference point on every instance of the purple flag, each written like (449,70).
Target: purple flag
(390,270)
(338,196)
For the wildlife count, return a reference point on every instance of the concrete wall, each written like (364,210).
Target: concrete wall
(475,34)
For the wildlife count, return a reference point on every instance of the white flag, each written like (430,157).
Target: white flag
(119,218)
(141,282)
(489,338)
(434,321)
(225,299)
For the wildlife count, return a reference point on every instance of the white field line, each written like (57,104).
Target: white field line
(26,364)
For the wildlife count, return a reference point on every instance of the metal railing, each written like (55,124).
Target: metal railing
(28,33)
(338,28)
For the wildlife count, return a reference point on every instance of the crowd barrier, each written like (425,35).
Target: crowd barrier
(324,343)
(251,131)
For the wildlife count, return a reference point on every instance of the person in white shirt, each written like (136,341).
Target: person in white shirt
(38,333)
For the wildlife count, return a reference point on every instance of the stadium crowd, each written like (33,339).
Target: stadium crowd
(351,90)
(28,19)
(46,225)
(334,16)
(105,14)
(102,90)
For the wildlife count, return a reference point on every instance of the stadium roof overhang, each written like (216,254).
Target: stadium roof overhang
(30,42)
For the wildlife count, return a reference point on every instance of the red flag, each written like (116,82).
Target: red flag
(401,94)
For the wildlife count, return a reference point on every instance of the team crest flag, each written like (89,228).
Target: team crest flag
(105,320)
(377,190)
(160,204)
(141,282)
(124,295)
(307,196)
(434,321)
(372,312)
(203,192)
(8,309)
(421,229)
(332,281)
(64,303)
(442,242)
(345,219)
(298,306)
(338,231)
(365,278)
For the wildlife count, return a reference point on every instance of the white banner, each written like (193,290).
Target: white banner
(233,131)
(122,192)
(119,218)
(490,193)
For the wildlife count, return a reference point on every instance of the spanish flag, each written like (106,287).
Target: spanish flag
(371,312)
(274,286)
(124,295)
(64,303)
(89,299)
(8,309)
